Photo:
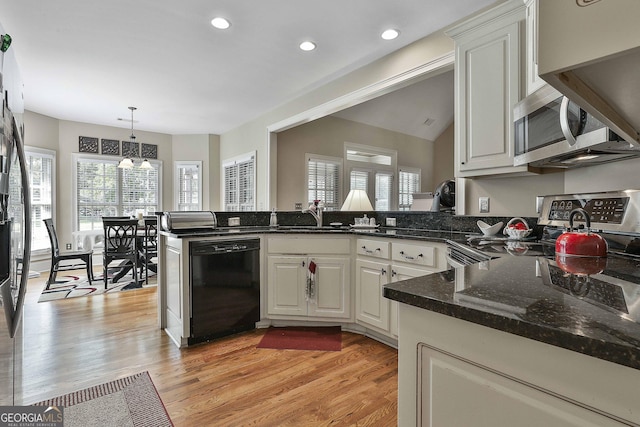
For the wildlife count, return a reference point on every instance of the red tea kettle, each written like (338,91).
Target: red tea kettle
(581,243)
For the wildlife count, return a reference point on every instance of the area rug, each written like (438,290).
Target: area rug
(78,286)
(131,401)
(303,338)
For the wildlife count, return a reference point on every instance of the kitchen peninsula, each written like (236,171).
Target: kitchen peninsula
(490,332)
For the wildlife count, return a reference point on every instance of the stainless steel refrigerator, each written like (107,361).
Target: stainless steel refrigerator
(15,226)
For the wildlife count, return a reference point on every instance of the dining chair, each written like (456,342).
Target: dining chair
(149,245)
(120,243)
(85,257)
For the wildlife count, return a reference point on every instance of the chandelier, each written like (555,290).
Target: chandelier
(127,162)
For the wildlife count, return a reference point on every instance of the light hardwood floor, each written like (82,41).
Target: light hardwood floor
(80,342)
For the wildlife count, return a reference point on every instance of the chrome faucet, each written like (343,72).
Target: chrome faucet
(315,209)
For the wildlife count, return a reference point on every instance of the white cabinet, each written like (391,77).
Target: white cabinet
(372,308)
(533,80)
(456,373)
(487,86)
(447,383)
(292,288)
(383,261)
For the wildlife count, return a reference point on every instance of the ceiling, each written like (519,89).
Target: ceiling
(87,61)
(423,109)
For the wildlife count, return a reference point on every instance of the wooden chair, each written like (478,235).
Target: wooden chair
(84,256)
(149,245)
(120,243)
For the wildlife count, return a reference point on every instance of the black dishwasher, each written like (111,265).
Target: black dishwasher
(224,288)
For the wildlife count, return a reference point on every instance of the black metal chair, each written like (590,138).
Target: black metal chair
(56,256)
(120,243)
(149,245)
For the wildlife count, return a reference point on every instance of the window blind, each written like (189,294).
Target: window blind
(40,169)
(323,182)
(188,187)
(408,183)
(239,185)
(104,190)
(384,191)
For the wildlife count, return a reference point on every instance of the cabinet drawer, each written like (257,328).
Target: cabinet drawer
(416,254)
(373,248)
(308,245)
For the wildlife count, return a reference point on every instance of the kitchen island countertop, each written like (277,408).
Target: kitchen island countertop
(531,297)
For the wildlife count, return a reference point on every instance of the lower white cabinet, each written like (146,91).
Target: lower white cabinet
(456,373)
(372,308)
(385,261)
(295,291)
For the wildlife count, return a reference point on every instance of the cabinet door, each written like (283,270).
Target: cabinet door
(398,273)
(287,285)
(372,308)
(491,89)
(330,290)
(446,384)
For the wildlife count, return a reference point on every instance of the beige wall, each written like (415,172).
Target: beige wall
(188,148)
(326,136)
(62,136)
(215,167)
(443,155)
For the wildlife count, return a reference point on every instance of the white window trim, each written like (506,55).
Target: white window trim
(54,176)
(176,180)
(74,180)
(232,161)
(323,158)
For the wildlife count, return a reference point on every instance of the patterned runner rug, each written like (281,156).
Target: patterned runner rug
(131,401)
(78,286)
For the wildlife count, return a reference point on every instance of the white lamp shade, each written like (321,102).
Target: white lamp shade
(145,164)
(357,200)
(125,163)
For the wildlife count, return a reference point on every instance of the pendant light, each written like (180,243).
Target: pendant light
(127,162)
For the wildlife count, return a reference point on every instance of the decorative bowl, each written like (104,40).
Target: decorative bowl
(515,231)
(489,230)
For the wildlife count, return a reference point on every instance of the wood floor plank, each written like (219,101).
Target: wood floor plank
(80,342)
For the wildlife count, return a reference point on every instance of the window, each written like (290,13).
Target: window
(409,183)
(239,188)
(372,169)
(104,190)
(383,191)
(188,186)
(41,172)
(323,180)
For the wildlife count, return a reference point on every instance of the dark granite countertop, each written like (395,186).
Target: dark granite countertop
(392,232)
(532,297)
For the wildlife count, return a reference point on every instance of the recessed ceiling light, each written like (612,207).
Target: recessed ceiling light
(307,46)
(220,23)
(390,34)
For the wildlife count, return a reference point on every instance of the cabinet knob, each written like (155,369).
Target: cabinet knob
(303,263)
(383,271)
(393,273)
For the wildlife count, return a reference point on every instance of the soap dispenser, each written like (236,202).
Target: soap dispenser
(273,220)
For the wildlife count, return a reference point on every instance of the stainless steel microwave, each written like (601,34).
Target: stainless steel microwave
(553,132)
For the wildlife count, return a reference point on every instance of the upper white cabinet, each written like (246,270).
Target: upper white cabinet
(488,57)
(590,51)
(533,80)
